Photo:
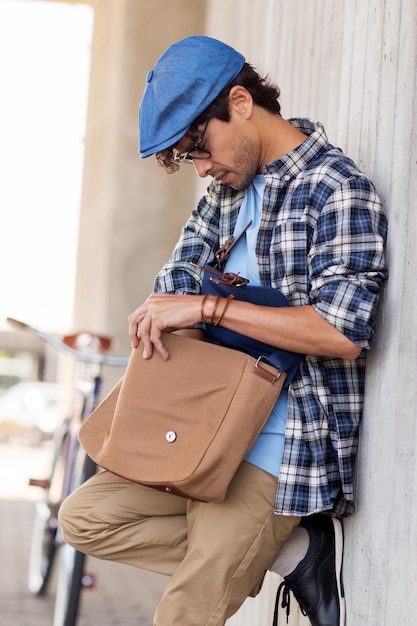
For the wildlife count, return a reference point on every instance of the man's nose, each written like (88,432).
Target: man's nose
(202,167)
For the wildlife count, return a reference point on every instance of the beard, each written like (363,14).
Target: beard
(245,163)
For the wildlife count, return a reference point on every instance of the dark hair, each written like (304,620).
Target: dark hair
(264,93)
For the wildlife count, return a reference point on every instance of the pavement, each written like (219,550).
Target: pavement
(121,596)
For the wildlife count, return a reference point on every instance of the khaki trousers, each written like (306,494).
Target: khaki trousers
(216,554)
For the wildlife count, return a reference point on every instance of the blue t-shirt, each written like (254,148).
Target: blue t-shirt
(267,450)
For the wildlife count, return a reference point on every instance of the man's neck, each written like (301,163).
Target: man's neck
(278,137)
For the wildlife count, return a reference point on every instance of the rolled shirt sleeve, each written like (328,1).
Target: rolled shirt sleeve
(347,260)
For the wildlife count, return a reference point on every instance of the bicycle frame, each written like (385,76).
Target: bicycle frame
(70,467)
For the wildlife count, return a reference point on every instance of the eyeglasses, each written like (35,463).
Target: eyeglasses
(196,152)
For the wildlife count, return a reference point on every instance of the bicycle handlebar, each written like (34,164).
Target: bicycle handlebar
(60,344)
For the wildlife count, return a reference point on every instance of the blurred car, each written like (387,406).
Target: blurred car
(31,411)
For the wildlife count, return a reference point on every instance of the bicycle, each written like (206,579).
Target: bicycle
(70,467)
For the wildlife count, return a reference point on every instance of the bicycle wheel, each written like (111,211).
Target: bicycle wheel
(65,569)
(74,595)
(69,585)
(42,549)
(43,544)
(72,562)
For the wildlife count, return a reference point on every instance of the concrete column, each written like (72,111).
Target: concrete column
(131,211)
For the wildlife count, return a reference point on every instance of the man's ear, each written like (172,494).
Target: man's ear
(241,100)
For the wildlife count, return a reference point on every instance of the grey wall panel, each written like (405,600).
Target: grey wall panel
(352,65)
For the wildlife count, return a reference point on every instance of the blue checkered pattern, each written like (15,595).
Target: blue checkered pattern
(321,242)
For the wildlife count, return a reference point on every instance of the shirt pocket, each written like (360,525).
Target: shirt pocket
(288,255)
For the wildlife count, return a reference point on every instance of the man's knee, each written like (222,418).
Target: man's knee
(67,523)
(75,526)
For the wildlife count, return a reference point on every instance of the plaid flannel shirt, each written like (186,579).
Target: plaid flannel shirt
(321,242)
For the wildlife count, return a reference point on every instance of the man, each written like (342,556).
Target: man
(310,224)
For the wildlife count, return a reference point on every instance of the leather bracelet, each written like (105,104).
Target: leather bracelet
(213,315)
(226,304)
(203,304)
(204,301)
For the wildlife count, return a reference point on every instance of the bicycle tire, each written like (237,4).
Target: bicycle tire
(43,544)
(65,569)
(68,593)
(72,563)
(74,596)
(42,550)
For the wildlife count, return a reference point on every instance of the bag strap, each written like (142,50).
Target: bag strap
(286,361)
(222,254)
(223,284)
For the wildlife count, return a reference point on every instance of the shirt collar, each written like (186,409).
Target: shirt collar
(291,164)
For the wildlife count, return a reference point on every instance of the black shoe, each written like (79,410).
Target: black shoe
(317,581)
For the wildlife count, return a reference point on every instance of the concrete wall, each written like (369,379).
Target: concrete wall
(352,65)
(131,212)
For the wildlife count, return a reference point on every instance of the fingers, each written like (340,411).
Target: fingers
(133,330)
(150,337)
(145,328)
(155,342)
(162,313)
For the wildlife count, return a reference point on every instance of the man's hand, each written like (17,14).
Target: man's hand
(162,313)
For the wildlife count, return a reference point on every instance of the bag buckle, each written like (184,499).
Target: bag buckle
(270,376)
(223,278)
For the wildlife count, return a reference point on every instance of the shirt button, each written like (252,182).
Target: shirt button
(287,178)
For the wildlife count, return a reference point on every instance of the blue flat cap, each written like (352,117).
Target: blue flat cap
(184,81)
